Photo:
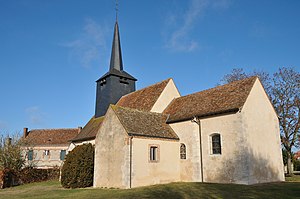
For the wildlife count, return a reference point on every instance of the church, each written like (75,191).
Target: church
(226,134)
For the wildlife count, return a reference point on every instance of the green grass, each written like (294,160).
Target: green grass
(53,189)
(294,178)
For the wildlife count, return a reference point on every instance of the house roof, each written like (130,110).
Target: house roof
(143,99)
(297,155)
(90,130)
(50,136)
(144,124)
(221,99)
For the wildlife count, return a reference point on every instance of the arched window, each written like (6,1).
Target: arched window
(182,151)
(216,143)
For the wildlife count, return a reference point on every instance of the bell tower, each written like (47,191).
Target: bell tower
(116,82)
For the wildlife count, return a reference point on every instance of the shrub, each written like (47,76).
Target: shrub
(11,154)
(297,165)
(78,168)
(30,174)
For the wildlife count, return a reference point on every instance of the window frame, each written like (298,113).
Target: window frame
(64,156)
(156,153)
(214,143)
(46,152)
(30,155)
(182,151)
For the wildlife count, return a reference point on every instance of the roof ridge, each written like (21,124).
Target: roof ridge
(50,129)
(147,87)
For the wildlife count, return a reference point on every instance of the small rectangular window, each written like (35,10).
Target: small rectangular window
(182,151)
(216,144)
(62,154)
(154,154)
(30,155)
(47,152)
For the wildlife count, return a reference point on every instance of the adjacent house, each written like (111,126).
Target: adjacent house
(297,155)
(47,148)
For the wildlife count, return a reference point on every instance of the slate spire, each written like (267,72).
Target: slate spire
(116,82)
(116,54)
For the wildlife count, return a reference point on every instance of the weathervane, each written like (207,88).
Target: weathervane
(117,10)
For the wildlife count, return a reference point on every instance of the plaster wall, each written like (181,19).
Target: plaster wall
(111,154)
(263,137)
(169,93)
(231,166)
(188,134)
(165,170)
(41,160)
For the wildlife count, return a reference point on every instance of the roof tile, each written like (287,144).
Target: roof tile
(50,136)
(90,130)
(143,99)
(144,124)
(221,99)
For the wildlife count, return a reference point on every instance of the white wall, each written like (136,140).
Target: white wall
(165,170)
(169,93)
(263,138)
(40,160)
(112,147)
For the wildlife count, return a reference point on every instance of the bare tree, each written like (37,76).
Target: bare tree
(286,100)
(235,75)
(11,153)
(239,74)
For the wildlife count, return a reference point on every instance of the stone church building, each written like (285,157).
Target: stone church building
(226,134)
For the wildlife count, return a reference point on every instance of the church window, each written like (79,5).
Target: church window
(154,153)
(216,143)
(62,154)
(30,155)
(182,151)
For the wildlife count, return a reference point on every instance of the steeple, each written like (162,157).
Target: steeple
(116,82)
(116,54)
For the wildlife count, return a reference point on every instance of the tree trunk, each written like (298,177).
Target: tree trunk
(289,164)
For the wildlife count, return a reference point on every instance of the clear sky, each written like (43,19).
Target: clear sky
(53,51)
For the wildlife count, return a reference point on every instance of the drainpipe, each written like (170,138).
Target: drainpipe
(197,121)
(130,163)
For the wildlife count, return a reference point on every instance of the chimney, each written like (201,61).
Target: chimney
(25,132)
(79,129)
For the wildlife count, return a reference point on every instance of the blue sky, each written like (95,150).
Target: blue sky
(51,52)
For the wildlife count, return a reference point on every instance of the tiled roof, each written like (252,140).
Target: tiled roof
(144,124)
(221,99)
(145,98)
(50,136)
(90,130)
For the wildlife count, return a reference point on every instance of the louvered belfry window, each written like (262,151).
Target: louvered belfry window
(216,144)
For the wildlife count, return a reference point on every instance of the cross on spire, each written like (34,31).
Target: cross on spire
(117,9)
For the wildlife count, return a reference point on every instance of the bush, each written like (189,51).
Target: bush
(297,165)
(30,174)
(78,168)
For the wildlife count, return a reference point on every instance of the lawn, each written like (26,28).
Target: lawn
(52,189)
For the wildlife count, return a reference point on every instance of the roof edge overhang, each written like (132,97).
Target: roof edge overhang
(218,113)
(150,136)
(83,139)
(124,75)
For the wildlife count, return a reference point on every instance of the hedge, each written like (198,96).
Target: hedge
(78,168)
